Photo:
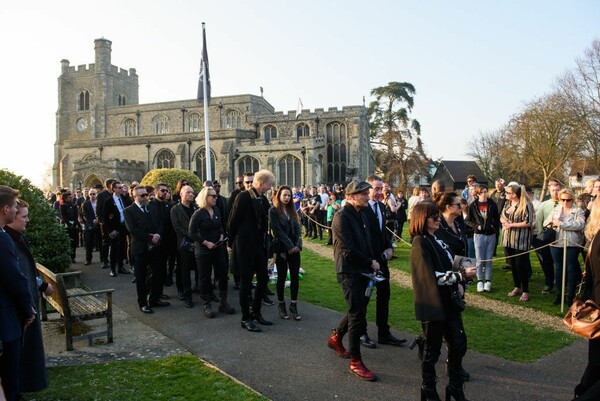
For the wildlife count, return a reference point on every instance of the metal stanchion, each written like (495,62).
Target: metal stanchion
(564,276)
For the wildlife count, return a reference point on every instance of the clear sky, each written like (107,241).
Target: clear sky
(473,63)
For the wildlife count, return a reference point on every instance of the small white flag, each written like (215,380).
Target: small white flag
(299,109)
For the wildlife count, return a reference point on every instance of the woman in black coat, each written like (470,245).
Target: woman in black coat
(206,229)
(434,285)
(32,375)
(589,387)
(287,244)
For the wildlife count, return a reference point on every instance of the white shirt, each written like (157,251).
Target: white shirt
(120,206)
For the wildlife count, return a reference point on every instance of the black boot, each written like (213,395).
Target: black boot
(294,311)
(208,312)
(429,393)
(224,306)
(455,391)
(282,310)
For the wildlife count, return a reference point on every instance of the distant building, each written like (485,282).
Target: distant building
(102,131)
(454,174)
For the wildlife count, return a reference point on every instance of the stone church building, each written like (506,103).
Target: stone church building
(102,131)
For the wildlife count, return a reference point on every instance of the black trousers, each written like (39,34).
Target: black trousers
(453,332)
(545,258)
(9,369)
(206,262)
(258,266)
(285,261)
(104,243)
(147,277)
(591,375)
(118,248)
(74,240)
(382,304)
(183,275)
(321,216)
(354,321)
(89,236)
(521,267)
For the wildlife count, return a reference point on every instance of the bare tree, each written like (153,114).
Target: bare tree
(546,136)
(581,91)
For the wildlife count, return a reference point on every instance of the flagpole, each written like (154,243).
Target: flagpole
(205,90)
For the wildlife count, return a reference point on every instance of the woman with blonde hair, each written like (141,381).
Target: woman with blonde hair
(517,220)
(206,229)
(589,386)
(569,221)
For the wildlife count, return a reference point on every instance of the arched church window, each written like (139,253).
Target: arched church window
(270,132)
(201,164)
(302,130)
(160,124)
(337,155)
(165,159)
(194,122)
(129,127)
(248,164)
(289,171)
(84,100)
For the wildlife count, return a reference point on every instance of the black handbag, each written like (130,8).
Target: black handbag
(548,234)
(187,245)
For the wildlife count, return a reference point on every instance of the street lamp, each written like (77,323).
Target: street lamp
(189,143)
(303,153)
(148,160)
(183,110)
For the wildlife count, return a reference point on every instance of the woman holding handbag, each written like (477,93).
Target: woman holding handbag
(435,286)
(589,386)
(568,220)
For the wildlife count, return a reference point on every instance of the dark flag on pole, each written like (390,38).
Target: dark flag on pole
(204,67)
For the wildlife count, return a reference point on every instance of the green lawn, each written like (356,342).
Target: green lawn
(182,377)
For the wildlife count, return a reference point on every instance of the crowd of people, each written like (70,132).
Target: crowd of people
(194,241)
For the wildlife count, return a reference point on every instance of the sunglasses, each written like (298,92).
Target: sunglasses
(213,195)
(239,183)
(435,216)
(566,200)
(248,182)
(143,195)
(163,190)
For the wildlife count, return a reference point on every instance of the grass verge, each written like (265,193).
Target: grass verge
(182,377)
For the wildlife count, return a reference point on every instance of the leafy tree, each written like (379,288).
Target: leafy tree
(49,240)
(170,176)
(395,136)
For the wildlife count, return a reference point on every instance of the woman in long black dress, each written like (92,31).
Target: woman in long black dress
(434,287)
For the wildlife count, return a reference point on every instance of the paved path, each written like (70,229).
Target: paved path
(290,360)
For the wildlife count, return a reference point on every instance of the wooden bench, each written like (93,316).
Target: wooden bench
(76,304)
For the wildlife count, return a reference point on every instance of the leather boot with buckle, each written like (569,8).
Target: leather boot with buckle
(335,343)
(358,368)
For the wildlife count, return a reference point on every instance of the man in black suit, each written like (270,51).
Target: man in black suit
(247,227)
(145,227)
(168,245)
(16,305)
(114,220)
(382,250)
(353,256)
(90,221)
(240,186)
(101,199)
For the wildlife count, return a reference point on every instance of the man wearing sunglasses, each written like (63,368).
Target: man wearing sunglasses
(168,249)
(145,226)
(241,186)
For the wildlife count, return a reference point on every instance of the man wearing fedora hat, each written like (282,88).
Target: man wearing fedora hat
(353,256)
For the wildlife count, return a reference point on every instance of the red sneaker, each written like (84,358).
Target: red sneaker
(360,370)
(335,343)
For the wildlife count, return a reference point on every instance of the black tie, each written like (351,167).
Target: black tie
(144,209)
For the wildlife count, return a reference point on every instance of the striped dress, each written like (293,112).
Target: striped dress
(518,238)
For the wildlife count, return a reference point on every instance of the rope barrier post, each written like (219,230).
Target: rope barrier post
(564,275)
